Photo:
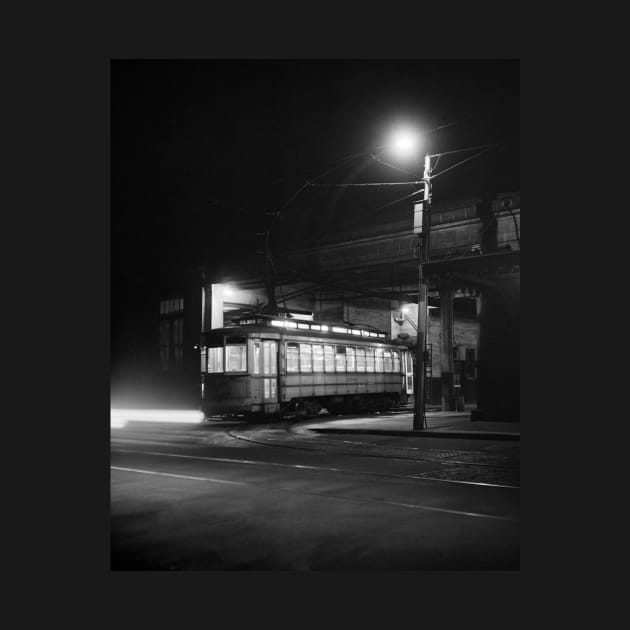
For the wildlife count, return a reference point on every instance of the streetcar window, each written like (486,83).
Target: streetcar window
(387,360)
(235,354)
(369,359)
(204,357)
(329,358)
(360,359)
(396,357)
(256,358)
(350,360)
(293,357)
(215,360)
(318,358)
(341,359)
(378,359)
(269,357)
(306,359)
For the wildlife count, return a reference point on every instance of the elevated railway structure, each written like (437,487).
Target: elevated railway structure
(474,251)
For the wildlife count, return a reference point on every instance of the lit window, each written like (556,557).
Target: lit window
(215,360)
(269,357)
(378,359)
(387,360)
(341,359)
(356,332)
(204,357)
(291,325)
(256,358)
(318,359)
(303,326)
(276,322)
(235,359)
(293,357)
(324,328)
(360,359)
(306,359)
(396,358)
(350,360)
(315,327)
(329,359)
(369,359)
(235,354)
(338,329)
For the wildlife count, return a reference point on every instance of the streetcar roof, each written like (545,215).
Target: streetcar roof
(307,327)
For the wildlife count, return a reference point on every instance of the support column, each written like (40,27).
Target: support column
(482,359)
(498,372)
(447,362)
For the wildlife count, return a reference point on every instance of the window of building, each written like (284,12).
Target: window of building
(360,359)
(350,360)
(378,359)
(235,354)
(369,359)
(470,362)
(293,357)
(306,357)
(318,358)
(164,344)
(172,305)
(340,359)
(178,344)
(329,358)
(171,337)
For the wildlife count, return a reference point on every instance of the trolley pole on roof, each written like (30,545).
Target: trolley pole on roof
(422,226)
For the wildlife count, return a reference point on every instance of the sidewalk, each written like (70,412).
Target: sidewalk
(452,424)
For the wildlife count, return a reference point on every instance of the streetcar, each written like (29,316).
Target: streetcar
(272,366)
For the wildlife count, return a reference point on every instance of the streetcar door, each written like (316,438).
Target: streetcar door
(408,363)
(270,371)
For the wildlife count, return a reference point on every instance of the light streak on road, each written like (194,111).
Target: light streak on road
(120,417)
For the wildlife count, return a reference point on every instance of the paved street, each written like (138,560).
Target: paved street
(231,495)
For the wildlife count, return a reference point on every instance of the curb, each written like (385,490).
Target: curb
(474,435)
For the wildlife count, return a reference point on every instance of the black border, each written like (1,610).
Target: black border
(73,300)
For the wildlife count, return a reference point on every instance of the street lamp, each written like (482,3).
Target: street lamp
(404,144)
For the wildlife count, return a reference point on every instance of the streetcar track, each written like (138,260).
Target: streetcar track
(316,441)
(227,460)
(439,457)
(341,443)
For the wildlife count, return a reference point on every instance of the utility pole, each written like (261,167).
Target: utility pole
(419,416)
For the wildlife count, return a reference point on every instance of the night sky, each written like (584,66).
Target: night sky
(203,150)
